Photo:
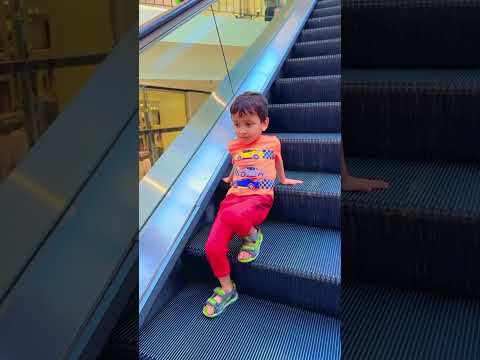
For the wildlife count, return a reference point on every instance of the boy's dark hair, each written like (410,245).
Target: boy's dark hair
(250,103)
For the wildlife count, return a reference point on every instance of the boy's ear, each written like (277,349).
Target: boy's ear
(265,123)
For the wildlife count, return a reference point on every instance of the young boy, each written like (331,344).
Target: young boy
(256,161)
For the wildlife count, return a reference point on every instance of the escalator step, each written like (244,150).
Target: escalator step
(411,114)
(280,332)
(336,10)
(325,33)
(305,117)
(312,66)
(316,202)
(299,265)
(322,4)
(306,89)
(317,48)
(321,22)
(405,235)
(411,33)
(311,151)
(386,323)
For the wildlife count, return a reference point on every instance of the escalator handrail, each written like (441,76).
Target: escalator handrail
(160,25)
(159,21)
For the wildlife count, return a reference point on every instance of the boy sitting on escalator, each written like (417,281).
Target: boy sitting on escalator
(257,161)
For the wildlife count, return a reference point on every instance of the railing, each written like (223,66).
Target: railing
(166,3)
(239,8)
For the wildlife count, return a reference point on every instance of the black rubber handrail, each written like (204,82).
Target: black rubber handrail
(159,21)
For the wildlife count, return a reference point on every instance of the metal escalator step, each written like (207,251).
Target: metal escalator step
(388,323)
(317,48)
(405,235)
(411,33)
(311,151)
(335,10)
(305,117)
(324,33)
(312,66)
(322,4)
(306,89)
(422,114)
(181,331)
(316,202)
(320,22)
(298,265)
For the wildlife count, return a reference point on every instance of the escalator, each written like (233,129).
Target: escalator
(289,298)
(410,87)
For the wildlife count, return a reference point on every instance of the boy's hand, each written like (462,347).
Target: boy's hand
(287,181)
(228,179)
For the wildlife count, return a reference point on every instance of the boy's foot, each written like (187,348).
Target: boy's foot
(219,300)
(251,247)
(350,183)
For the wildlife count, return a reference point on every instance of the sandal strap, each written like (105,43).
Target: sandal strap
(218,291)
(251,252)
(246,247)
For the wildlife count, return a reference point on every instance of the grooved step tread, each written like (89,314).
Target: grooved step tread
(408,4)
(323,4)
(315,254)
(388,323)
(335,10)
(306,89)
(317,48)
(309,138)
(446,78)
(323,21)
(317,184)
(280,332)
(312,65)
(311,151)
(305,117)
(425,188)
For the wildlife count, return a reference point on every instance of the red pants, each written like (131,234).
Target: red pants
(237,215)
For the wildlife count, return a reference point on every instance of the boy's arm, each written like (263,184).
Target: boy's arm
(281,173)
(229,178)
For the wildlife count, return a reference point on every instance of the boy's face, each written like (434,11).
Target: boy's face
(248,127)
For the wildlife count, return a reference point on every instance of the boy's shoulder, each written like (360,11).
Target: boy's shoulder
(264,140)
(269,141)
(270,138)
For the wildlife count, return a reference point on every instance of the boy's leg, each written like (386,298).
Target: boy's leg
(216,249)
(246,213)
(238,215)
(350,183)
(244,216)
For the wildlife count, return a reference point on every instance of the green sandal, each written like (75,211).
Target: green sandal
(227,299)
(252,248)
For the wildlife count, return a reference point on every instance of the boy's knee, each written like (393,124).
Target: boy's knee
(229,217)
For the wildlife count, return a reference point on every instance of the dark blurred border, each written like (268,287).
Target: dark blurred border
(50,55)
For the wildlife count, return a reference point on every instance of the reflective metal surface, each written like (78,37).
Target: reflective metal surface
(162,238)
(36,195)
(56,297)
